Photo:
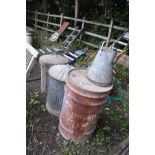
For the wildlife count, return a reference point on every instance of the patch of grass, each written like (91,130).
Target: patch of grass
(100,137)
(107,128)
(34,98)
(69,151)
(122,75)
(34,105)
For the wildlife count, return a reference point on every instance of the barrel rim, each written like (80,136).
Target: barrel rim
(99,83)
(50,76)
(89,95)
(85,90)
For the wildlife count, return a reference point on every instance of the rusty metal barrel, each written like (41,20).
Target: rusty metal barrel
(82,104)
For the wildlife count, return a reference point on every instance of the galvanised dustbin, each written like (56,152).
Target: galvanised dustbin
(46,61)
(56,80)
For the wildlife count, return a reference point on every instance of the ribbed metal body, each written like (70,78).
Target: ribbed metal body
(81,106)
(55,96)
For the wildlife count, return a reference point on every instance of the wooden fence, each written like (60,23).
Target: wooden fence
(34,17)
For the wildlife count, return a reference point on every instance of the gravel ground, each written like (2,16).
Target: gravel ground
(43,137)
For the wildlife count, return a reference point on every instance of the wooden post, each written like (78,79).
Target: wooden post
(82,27)
(61,19)
(109,33)
(47,20)
(36,17)
(76,12)
(75,22)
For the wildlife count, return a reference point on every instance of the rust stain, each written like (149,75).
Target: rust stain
(79,114)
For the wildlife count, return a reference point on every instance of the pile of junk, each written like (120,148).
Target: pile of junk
(75,95)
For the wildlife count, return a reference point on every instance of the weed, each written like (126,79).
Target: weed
(43,108)
(107,128)
(34,99)
(100,137)
(69,151)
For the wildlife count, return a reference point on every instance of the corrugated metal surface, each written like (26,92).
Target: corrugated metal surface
(81,106)
(56,81)
(55,96)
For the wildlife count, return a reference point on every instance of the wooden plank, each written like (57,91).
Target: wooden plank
(36,16)
(119,42)
(95,23)
(54,24)
(82,27)
(91,34)
(44,28)
(45,22)
(39,13)
(76,12)
(95,35)
(87,43)
(88,22)
(47,19)
(120,28)
(61,19)
(62,28)
(41,21)
(109,33)
(54,15)
(71,28)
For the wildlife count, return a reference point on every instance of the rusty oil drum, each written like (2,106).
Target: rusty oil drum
(82,104)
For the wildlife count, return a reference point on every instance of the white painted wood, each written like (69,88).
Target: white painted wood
(47,19)
(31,55)
(32,50)
(61,19)
(109,33)
(95,35)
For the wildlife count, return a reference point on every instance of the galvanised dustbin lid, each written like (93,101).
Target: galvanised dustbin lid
(60,72)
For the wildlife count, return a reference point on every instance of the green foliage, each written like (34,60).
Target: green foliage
(41,38)
(36,42)
(34,99)
(107,128)
(97,10)
(34,104)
